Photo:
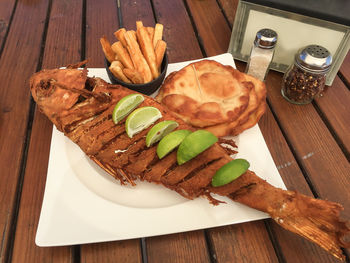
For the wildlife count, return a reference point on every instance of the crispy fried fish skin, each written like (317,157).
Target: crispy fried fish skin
(81,107)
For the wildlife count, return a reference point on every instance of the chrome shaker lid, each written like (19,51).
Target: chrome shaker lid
(315,58)
(266,38)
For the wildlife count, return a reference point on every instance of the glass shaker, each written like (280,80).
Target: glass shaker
(262,53)
(306,78)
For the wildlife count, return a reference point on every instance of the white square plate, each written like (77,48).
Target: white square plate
(83,204)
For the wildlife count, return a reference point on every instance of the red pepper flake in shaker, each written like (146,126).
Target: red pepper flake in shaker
(306,78)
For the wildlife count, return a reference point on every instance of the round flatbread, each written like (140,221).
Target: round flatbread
(206,93)
(211,96)
(250,117)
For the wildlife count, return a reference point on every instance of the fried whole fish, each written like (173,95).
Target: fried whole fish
(81,107)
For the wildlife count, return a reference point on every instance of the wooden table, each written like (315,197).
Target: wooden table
(309,144)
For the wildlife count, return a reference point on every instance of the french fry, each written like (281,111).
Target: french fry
(150,32)
(133,34)
(139,24)
(137,55)
(158,34)
(146,46)
(107,49)
(123,55)
(118,72)
(160,51)
(133,75)
(119,34)
(119,64)
(137,58)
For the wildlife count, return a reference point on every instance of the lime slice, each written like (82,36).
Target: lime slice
(159,130)
(170,142)
(229,172)
(194,144)
(126,105)
(141,119)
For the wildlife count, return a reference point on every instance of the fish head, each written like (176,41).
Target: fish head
(57,90)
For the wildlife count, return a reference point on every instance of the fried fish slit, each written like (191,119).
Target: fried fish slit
(197,184)
(161,168)
(84,119)
(199,169)
(106,144)
(171,169)
(135,148)
(241,191)
(184,186)
(77,133)
(86,127)
(80,112)
(183,170)
(150,166)
(121,157)
(137,167)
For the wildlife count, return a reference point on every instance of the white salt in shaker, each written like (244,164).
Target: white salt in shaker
(262,53)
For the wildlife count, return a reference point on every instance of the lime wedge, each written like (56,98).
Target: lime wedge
(194,144)
(170,142)
(141,119)
(159,130)
(126,105)
(229,172)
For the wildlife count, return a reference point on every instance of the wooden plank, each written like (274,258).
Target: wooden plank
(317,151)
(184,247)
(112,252)
(203,20)
(101,19)
(299,250)
(18,61)
(65,25)
(228,245)
(138,10)
(173,41)
(321,158)
(182,46)
(6,9)
(345,68)
(283,158)
(212,26)
(294,180)
(25,249)
(178,248)
(319,155)
(178,31)
(334,105)
(229,7)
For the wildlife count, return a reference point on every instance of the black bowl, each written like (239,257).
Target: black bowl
(146,88)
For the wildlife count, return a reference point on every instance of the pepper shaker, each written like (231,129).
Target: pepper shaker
(306,78)
(262,53)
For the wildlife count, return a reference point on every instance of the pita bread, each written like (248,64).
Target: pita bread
(250,117)
(218,98)
(206,93)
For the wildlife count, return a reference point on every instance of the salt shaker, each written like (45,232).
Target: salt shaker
(262,53)
(306,78)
